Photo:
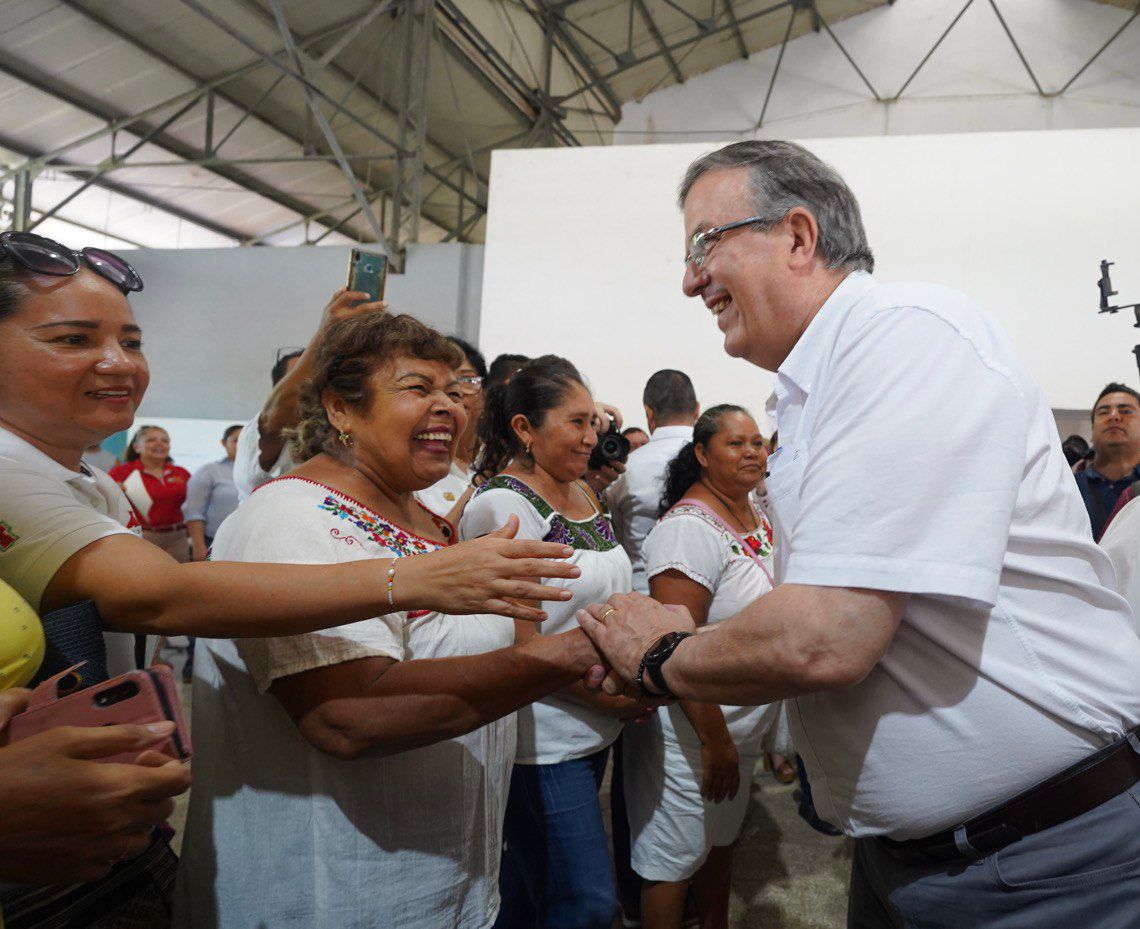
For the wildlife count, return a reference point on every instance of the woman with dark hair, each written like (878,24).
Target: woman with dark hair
(447,496)
(537,432)
(687,771)
(72,373)
(156,487)
(376,755)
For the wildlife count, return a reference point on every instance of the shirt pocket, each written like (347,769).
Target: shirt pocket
(785,473)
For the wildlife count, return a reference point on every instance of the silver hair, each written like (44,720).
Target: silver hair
(783,175)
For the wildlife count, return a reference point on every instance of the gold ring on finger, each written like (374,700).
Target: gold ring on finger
(602,618)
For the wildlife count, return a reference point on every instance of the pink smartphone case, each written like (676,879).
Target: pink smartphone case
(156,700)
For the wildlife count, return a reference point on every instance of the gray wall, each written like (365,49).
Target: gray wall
(213,319)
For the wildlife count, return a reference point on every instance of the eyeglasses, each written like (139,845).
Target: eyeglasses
(701,242)
(470,383)
(42,255)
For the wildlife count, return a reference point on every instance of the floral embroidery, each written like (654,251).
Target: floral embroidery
(344,537)
(384,534)
(595,534)
(760,540)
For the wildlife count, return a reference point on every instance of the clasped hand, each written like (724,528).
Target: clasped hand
(624,628)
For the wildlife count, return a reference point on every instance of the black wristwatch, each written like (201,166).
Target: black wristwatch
(652,661)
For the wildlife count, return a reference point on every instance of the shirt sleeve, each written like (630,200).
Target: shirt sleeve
(42,524)
(307,540)
(689,545)
(198,490)
(489,510)
(913,463)
(1121,541)
(248,473)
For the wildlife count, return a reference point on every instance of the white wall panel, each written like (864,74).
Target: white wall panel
(213,318)
(584,248)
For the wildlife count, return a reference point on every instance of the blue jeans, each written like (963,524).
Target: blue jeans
(556,871)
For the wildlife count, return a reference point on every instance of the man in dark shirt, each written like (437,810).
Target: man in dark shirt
(1116,464)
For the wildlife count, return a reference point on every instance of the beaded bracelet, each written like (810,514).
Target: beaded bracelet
(392,581)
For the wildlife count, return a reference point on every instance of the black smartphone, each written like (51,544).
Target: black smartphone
(368,273)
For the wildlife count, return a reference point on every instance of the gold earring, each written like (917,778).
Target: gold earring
(528,448)
(345,439)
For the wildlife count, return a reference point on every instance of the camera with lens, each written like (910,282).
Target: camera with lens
(612,446)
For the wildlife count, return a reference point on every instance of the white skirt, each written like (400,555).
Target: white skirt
(672,829)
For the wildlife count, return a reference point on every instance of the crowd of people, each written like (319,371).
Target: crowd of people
(430,619)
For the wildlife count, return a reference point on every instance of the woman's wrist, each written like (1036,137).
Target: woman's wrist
(404,583)
(570,651)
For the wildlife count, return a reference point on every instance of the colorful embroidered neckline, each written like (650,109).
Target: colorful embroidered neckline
(761,539)
(380,530)
(594,534)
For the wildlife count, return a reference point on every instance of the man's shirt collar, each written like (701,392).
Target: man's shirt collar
(1093,473)
(671,432)
(803,361)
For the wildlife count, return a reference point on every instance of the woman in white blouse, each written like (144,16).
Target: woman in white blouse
(357,777)
(537,432)
(72,373)
(688,769)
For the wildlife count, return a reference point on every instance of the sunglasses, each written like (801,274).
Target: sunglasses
(42,255)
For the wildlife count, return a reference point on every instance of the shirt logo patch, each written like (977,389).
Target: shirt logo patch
(7,537)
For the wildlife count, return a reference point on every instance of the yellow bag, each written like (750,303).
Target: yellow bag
(21,640)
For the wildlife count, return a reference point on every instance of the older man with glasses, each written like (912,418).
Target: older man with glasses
(964,676)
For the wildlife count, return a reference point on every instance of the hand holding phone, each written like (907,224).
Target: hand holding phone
(368,273)
(146,697)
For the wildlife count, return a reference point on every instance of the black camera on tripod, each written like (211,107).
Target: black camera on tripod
(612,446)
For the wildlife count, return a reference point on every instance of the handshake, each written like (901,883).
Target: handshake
(631,636)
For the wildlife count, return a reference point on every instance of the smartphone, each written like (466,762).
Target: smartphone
(368,273)
(135,698)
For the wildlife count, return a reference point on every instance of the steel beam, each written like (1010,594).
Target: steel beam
(354,117)
(106,184)
(776,70)
(1016,47)
(324,63)
(195,93)
(1111,39)
(651,25)
(22,202)
(73,97)
(851,61)
(596,78)
(740,44)
(326,129)
(674,47)
(933,49)
(418,20)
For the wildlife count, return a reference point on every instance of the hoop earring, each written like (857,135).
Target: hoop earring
(345,439)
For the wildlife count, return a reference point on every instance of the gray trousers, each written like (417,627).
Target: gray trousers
(1082,874)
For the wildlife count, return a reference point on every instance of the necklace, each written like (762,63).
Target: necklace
(727,504)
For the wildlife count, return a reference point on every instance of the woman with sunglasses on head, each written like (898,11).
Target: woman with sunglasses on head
(156,488)
(688,770)
(72,372)
(537,433)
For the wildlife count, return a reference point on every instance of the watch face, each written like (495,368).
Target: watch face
(662,646)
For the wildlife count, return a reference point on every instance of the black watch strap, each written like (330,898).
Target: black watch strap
(651,665)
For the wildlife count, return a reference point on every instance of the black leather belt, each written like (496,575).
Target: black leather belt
(1081,787)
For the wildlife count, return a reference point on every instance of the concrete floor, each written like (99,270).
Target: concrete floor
(786,875)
